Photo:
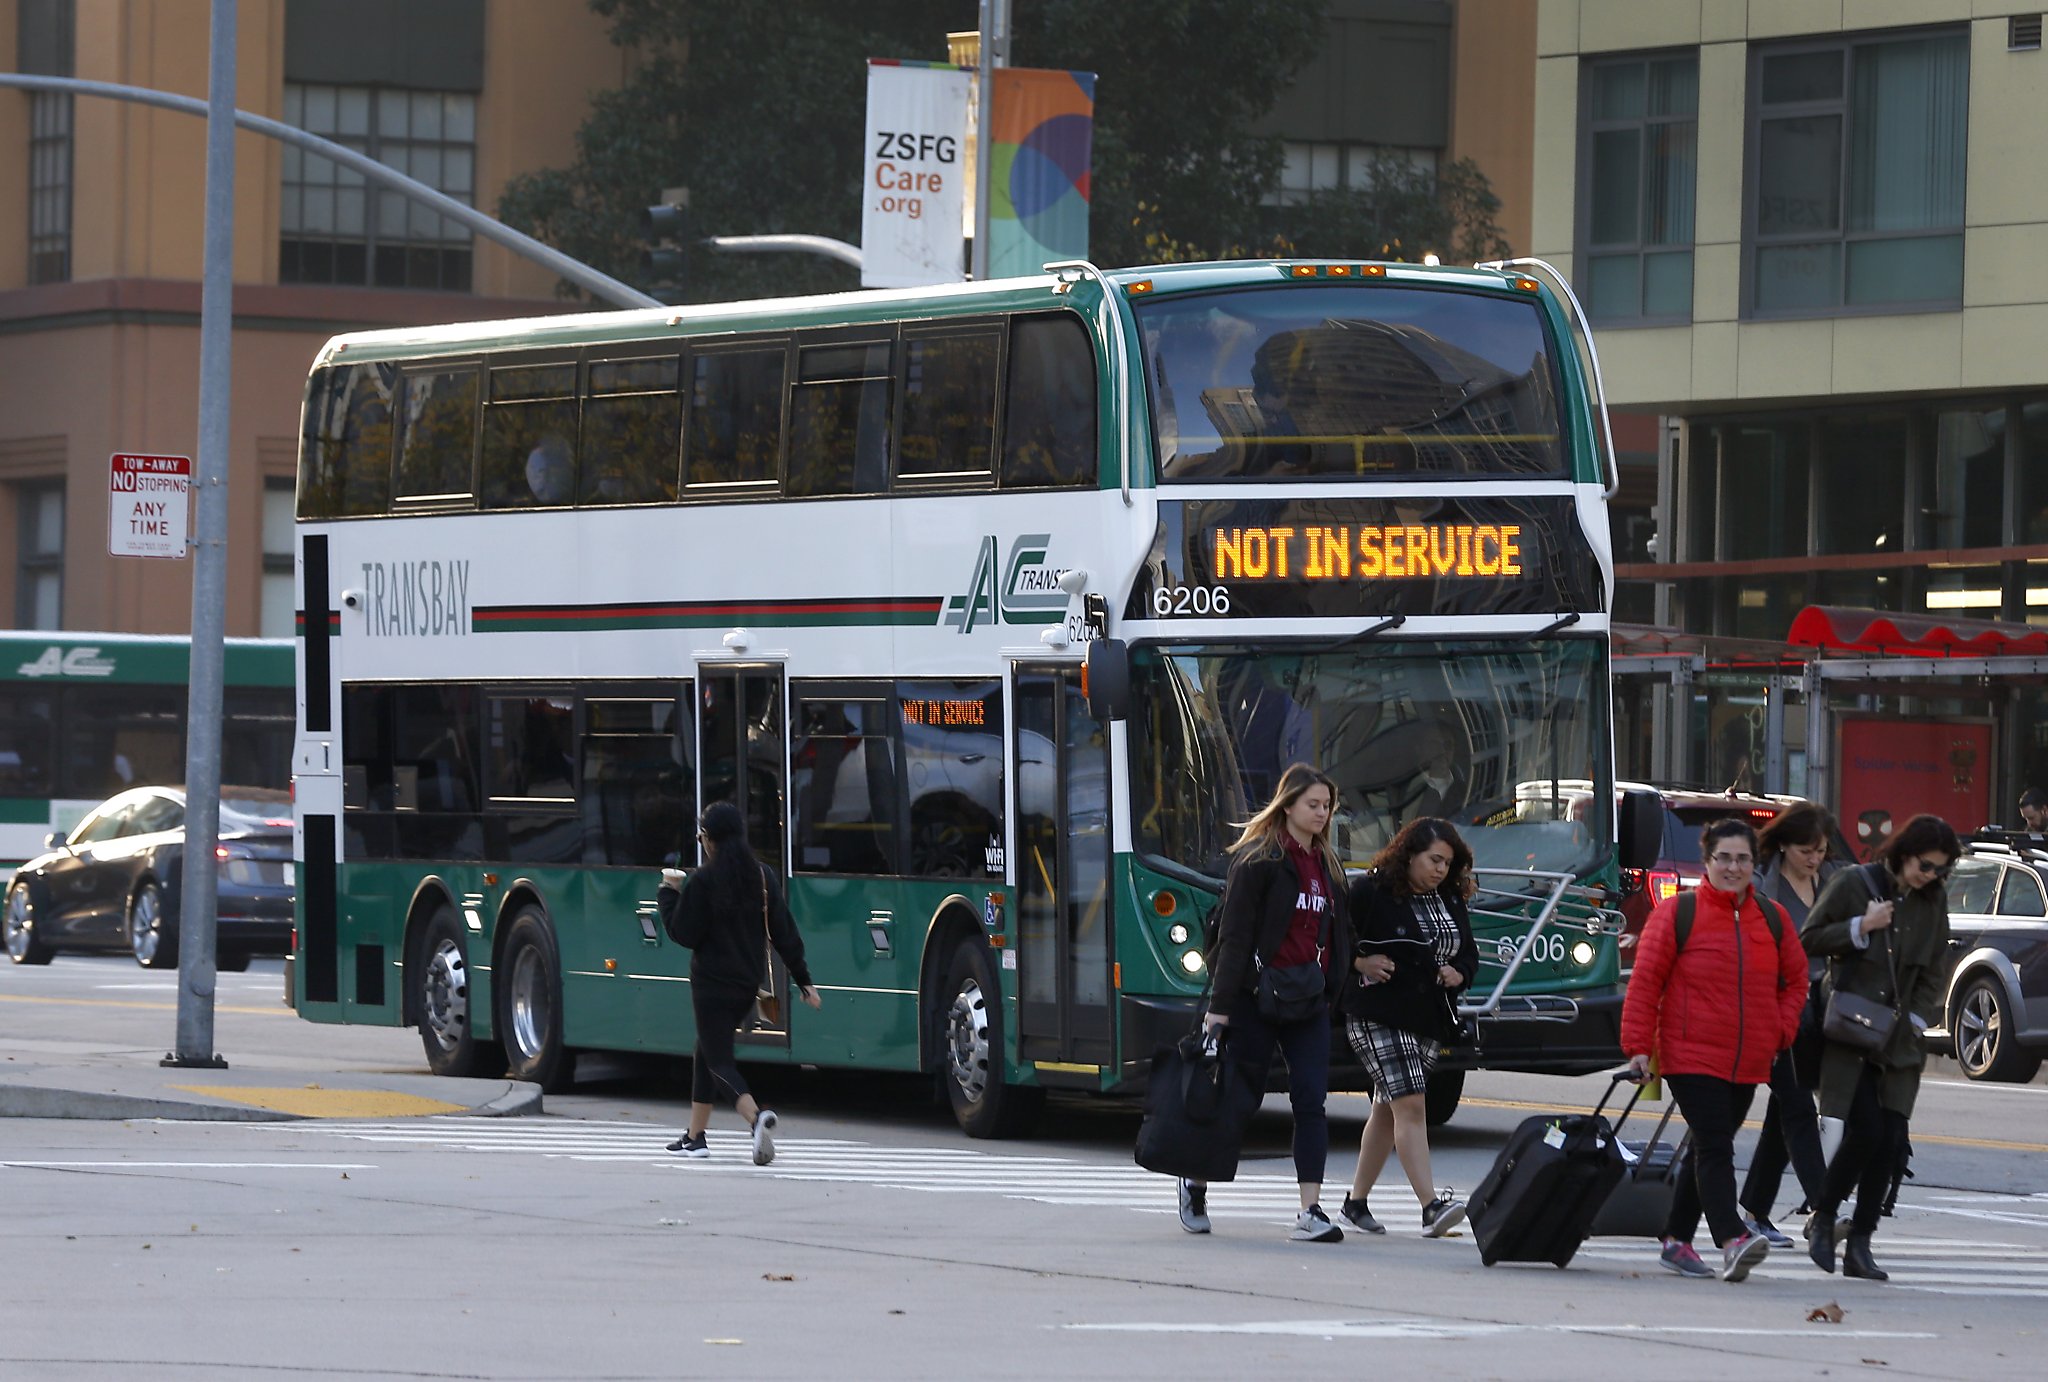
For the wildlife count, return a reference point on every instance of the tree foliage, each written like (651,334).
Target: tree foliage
(756,106)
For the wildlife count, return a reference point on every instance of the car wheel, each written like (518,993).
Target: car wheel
(153,945)
(20,922)
(971,1051)
(530,1004)
(442,986)
(1987,1047)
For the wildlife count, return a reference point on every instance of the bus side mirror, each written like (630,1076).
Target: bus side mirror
(1106,678)
(1642,828)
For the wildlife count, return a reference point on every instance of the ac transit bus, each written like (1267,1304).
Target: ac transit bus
(85,715)
(838,560)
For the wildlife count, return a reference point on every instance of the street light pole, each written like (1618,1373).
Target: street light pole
(196,916)
(995,52)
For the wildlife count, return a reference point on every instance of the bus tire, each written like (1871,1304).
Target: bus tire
(24,947)
(530,1004)
(153,944)
(442,989)
(970,1049)
(1440,1099)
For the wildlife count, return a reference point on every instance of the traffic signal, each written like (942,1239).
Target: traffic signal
(665,228)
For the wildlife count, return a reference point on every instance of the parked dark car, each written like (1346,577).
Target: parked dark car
(1688,811)
(1996,1006)
(114,883)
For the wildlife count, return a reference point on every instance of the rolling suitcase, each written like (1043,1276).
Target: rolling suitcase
(1640,1203)
(1537,1203)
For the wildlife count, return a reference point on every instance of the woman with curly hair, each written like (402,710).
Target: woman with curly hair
(1414,956)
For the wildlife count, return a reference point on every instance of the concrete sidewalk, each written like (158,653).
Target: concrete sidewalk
(119,1084)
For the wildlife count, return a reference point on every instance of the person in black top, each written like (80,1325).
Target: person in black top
(1415,955)
(728,913)
(1283,920)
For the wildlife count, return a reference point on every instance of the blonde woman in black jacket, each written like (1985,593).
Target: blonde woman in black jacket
(1415,955)
(1278,960)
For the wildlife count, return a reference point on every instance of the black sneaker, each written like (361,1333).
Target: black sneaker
(1441,1215)
(1359,1217)
(687,1145)
(1314,1226)
(1194,1206)
(764,1137)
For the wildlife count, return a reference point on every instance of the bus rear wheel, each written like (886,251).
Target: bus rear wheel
(530,1004)
(442,988)
(971,1051)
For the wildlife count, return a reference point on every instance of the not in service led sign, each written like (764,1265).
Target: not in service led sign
(1423,551)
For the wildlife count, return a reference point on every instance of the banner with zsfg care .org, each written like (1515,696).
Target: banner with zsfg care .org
(916,174)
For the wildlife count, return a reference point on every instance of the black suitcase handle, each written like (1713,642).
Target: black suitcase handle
(1615,1082)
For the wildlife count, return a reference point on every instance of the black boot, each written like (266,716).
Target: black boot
(1857,1262)
(1820,1239)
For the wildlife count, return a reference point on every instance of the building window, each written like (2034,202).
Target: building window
(39,569)
(1328,167)
(1858,148)
(1640,145)
(336,229)
(279,607)
(49,187)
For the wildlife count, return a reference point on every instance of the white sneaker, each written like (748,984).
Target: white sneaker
(1194,1206)
(1314,1226)
(764,1137)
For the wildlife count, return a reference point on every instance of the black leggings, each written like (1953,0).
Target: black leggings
(1714,1109)
(1791,1134)
(1873,1141)
(719,1012)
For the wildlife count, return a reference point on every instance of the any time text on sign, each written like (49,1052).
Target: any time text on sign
(147,498)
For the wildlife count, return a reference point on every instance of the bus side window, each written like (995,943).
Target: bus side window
(637,796)
(839,420)
(1049,405)
(28,729)
(529,456)
(437,447)
(734,433)
(632,431)
(345,453)
(949,406)
(953,761)
(843,784)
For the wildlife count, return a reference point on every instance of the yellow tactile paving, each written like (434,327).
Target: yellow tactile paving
(314,1102)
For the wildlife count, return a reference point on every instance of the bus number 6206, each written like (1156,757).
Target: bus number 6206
(1169,600)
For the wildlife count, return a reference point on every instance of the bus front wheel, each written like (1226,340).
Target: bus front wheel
(443,992)
(971,1051)
(530,1004)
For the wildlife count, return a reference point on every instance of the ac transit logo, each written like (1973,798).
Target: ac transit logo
(1021,589)
(78,662)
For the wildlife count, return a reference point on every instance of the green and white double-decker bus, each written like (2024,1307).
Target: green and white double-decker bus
(841,560)
(86,715)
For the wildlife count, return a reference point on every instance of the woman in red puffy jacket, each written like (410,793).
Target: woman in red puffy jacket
(1715,1008)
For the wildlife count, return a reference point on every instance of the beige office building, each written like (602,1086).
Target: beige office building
(1808,233)
(101,260)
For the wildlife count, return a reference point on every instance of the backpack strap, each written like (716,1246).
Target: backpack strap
(1681,924)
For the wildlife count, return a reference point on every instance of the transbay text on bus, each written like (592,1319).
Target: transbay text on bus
(416,599)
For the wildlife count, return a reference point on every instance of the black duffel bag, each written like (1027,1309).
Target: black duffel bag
(1196,1106)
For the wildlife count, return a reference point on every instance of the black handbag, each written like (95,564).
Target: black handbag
(1290,993)
(1864,1025)
(1197,1103)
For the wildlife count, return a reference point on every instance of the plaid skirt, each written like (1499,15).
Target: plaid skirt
(1399,1062)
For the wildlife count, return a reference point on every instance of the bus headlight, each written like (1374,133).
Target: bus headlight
(1191,961)
(1177,933)
(1582,954)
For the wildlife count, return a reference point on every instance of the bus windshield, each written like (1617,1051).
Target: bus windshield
(1365,380)
(1501,741)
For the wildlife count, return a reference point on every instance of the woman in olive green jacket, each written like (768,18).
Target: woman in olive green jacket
(1883,929)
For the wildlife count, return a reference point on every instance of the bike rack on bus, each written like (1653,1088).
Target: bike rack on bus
(1567,902)
(1613,466)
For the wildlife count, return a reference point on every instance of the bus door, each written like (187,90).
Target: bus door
(1063,940)
(742,756)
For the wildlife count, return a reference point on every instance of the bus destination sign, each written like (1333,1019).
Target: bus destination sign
(1342,558)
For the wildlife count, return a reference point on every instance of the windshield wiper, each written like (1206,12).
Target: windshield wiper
(1392,621)
(1563,621)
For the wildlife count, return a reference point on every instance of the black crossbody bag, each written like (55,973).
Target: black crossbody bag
(1864,1025)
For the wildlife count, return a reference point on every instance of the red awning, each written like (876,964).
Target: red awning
(1844,630)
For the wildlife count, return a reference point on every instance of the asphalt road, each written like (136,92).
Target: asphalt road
(881,1241)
